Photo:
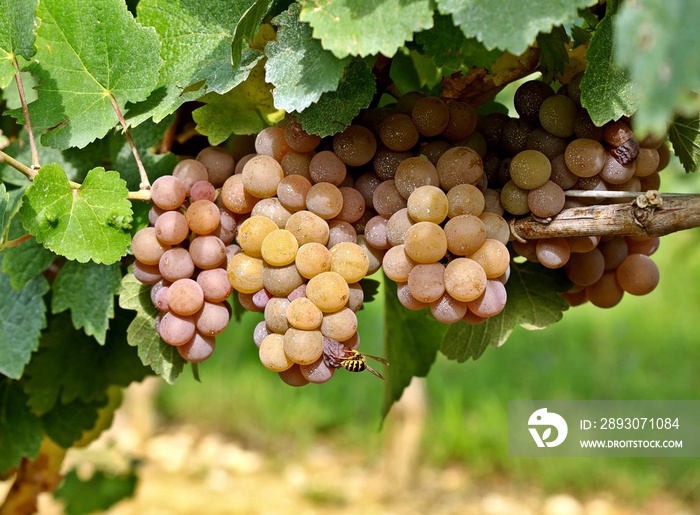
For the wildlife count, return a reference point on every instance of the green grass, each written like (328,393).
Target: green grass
(645,348)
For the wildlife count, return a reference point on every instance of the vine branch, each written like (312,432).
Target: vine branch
(145,184)
(25,111)
(29,173)
(658,215)
(143,194)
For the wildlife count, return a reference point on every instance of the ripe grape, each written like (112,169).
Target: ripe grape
(220,164)
(146,247)
(355,146)
(272,355)
(185,297)
(168,192)
(203,216)
(261,176)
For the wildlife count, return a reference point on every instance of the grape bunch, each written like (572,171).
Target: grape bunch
(300,260)
(553,148)
(183,254)
(419,188)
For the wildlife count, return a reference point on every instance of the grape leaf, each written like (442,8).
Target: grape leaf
(412,340)
(335,110)
(25,261)
(246,109)
(9,207)
(70,366)
(412,71)
(607,91)
(510,25)
(164,359)
(658,41)
(684,135)
(88,290)
(202,49)
(89,54)
(554,55)
(65,423)
(96,494)
(449,49)
(357,27)
(533,302)
(146,137)
(297,66)
(20,430)
(22,317)
(16,35)
(4,215)
(91,222)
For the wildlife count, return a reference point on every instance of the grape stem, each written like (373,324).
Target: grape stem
(650,214)
(25,111)
(145,183)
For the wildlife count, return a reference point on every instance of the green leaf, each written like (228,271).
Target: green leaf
(607,91)
(297,66)
(9,207)
(97,494)
(554,55)
(412,339)
(70,366)
(358,27)
(25,261)
(684,135)
(246,109)
(90,223)
(510,25)
(20,431)
(88,290)
(22,317)
(164,359)
(534,302)
(658,41)
(202,49)
(147,137)
(449,49)
(65,423)
(16,35)
(88,53)
(336,110)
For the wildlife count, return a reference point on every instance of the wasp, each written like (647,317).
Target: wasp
(351,360)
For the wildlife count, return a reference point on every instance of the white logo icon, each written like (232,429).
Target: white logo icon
(542,417)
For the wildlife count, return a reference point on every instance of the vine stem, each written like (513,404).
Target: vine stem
(29,173)
(27,121)
(658,215)
(145,184)
(143,194)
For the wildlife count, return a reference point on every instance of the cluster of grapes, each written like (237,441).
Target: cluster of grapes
(183,254)
(419,188)
(441,230)
(300,259)
(536,161)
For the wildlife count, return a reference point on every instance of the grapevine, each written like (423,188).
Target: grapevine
(313,178)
